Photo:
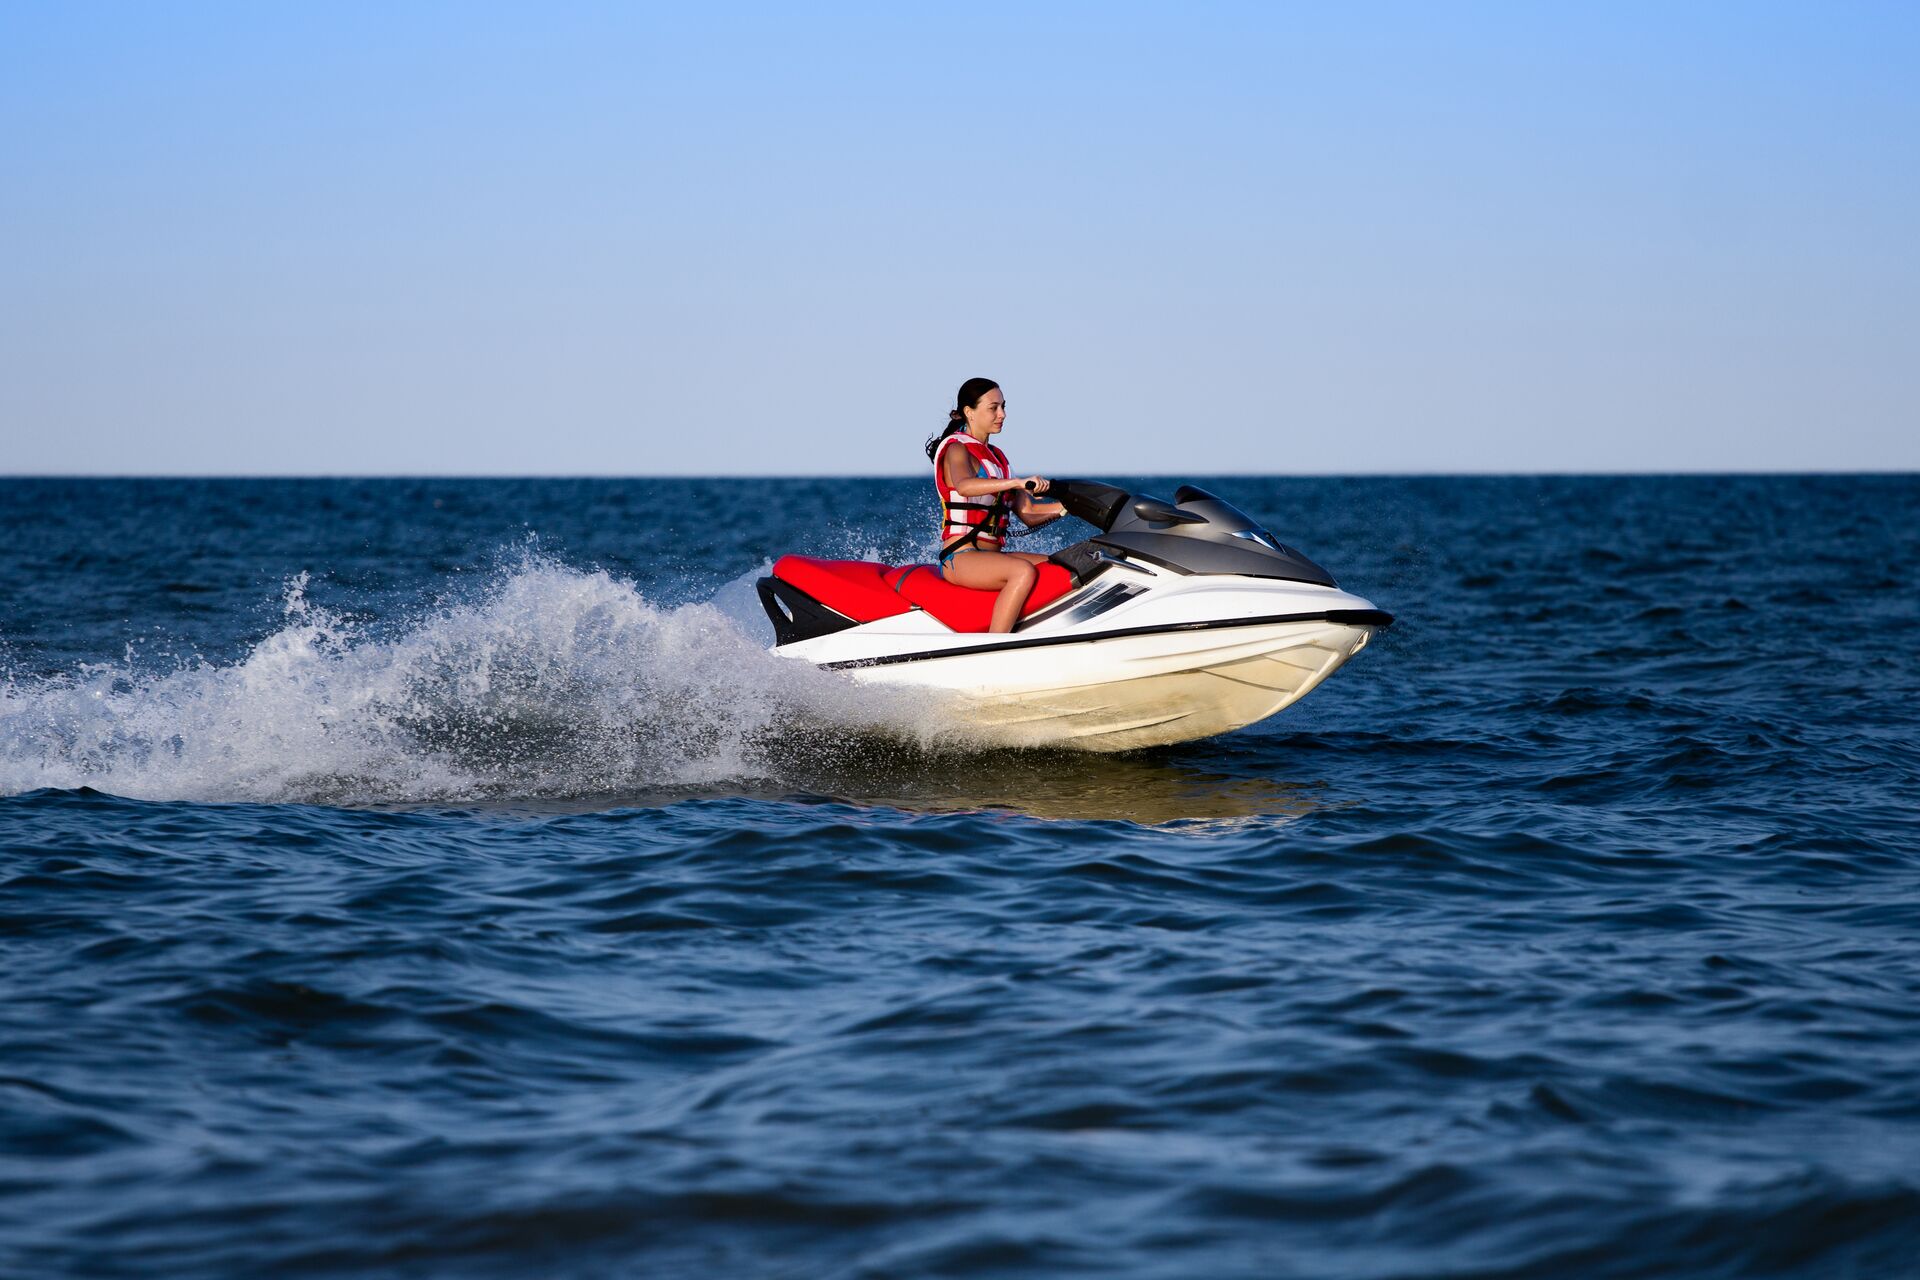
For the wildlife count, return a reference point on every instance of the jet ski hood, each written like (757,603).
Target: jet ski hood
(1195,533)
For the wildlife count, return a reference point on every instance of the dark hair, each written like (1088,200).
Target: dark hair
(965,398)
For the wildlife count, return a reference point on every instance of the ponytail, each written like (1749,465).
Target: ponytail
(966,398)
(956,422)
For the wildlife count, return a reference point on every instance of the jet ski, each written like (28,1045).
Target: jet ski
(1177,620)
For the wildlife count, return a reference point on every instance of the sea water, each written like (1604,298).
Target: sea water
(438,878)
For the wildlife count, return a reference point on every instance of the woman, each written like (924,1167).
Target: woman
(977,491)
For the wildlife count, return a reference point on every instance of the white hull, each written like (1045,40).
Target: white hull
(1117,695)
(1184,658)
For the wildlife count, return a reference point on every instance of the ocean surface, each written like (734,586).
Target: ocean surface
(421,878)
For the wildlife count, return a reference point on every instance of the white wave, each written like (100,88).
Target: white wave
(554,682)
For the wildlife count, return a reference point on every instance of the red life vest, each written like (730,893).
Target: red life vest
(972,519)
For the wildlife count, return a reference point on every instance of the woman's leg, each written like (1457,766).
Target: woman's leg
(1012,576)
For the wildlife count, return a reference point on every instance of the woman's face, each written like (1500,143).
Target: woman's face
(987,417)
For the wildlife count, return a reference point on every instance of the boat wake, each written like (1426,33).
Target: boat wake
(552,682)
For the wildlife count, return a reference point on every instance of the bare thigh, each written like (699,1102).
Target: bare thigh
(987,570)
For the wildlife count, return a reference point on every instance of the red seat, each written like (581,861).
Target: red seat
(965,609)
(853,588)
(864,591)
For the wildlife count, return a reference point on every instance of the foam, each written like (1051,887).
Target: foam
(552,682)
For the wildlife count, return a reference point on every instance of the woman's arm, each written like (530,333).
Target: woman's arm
(1034,512)
(959,478)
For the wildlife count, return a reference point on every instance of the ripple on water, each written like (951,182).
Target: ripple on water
(498,909)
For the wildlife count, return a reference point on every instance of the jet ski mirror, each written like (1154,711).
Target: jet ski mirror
(1164,513)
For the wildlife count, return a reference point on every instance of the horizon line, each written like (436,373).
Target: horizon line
(917,474)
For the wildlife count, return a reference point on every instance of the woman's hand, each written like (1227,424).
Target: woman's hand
(1034,484)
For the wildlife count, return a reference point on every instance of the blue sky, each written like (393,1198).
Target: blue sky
(468,238)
